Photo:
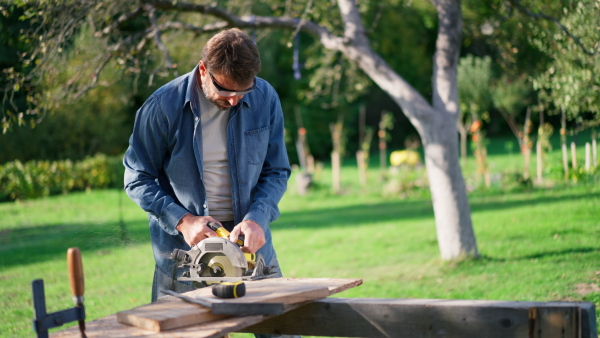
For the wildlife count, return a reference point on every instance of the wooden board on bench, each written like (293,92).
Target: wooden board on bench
(185,319)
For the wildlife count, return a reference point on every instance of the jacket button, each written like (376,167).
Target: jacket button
(204,206)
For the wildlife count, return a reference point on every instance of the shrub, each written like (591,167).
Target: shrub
(515,181)
(404,179)
(36,179)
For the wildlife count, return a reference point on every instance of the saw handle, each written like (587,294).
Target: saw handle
(75,268)
(222,232)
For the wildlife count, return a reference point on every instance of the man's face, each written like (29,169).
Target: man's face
(212,84)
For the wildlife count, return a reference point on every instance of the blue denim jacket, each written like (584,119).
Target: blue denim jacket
(163,164)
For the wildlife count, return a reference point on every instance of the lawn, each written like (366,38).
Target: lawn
(537,244)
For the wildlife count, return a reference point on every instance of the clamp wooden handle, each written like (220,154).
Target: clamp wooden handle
(75,274)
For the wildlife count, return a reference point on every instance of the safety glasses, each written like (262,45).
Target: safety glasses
(229,92)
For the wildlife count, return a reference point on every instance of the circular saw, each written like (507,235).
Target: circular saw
(217,259)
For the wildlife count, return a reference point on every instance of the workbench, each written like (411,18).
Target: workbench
(308,311)
(172,317)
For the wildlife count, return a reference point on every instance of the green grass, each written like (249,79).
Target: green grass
(536,245)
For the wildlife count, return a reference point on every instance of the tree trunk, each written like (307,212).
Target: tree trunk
(335,172)
(336,162)
(436,124)
(594,150)
(539,151)
(573,155)
(361,156)
(526,150)
(382,146)
(540,162)
(594,153)
(565,154)
(588,156)
(563,141)
(464,134)
(450,203)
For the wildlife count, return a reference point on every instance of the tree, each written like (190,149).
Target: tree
(570,83)
(435,121)
(573,48)
(511,97)
(474,80)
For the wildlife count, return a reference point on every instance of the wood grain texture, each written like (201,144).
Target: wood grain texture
(174,313)
(290,291)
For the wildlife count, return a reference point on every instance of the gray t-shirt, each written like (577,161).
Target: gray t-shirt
(215,163)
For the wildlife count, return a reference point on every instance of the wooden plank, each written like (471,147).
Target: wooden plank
(335,285)
(340,317)
(554,322)
(174,313)
(166,315)
(110,327)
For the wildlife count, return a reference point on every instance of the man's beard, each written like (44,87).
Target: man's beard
(221,104)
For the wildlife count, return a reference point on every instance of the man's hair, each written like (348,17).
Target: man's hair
(233,54)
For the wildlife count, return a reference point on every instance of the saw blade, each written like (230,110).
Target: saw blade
(219,266)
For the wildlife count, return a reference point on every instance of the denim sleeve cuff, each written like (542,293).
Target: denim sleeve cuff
(259,217)
(170,218)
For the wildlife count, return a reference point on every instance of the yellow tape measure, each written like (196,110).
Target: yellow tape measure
(229,289)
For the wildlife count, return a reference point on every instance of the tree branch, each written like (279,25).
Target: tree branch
(445,60)
(217,26)
(517,4)
(353,27)
(123,18)
(302,19)
(158,41)
(510,120)
(107,57)
(326,38)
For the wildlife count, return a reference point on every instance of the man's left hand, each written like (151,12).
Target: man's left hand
(253,233)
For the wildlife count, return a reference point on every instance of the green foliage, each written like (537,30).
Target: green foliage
(497,29)
(405,181)
(511,95)
(405,37)
(13,45)
(34,179)
(514,181)
(474,80)
(570,82)
(577,175)
(97,122)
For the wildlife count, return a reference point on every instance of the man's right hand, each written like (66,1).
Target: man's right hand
(194,228)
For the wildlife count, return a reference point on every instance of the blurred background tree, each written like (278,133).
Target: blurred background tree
(474,84)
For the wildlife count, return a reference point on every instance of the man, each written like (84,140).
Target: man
(209,146)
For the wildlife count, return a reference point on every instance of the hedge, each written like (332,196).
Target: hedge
(34,179)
